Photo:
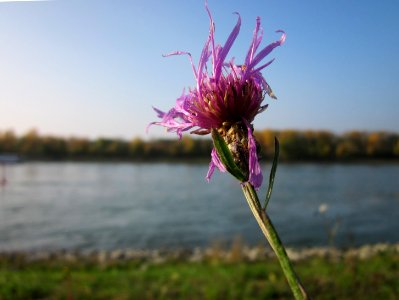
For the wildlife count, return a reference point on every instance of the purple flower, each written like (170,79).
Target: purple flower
(226,99)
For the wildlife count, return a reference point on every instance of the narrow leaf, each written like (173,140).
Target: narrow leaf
(272,171)
(226,157)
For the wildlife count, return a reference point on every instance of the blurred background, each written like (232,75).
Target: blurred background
(79,171)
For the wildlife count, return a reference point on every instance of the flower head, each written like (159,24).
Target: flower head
(226,99)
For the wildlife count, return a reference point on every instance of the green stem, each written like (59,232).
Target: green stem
(271,235)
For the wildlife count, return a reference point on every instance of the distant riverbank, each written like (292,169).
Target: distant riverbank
(295,145)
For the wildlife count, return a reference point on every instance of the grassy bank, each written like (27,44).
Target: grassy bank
(347,277)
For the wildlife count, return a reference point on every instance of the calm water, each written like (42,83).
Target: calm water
(105,206)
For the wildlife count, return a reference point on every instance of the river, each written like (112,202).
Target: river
(86,206)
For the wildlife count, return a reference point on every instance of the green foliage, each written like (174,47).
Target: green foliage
(294,146)
(272,172)
(344,278)
(226,157)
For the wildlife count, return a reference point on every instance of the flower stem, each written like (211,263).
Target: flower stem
(271,235)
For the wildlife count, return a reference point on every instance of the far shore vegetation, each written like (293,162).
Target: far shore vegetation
(294,146)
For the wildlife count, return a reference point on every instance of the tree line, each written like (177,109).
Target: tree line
(294,146)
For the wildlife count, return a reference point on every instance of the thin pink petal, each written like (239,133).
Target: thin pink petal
(226,48)
(266,51)
(255,172)
(184,53)
(215,162)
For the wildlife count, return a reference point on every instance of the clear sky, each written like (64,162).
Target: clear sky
(94,68)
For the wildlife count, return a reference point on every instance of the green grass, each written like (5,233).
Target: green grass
(347,278)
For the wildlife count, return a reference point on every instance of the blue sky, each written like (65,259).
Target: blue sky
(94,68)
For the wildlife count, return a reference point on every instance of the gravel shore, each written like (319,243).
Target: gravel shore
(236,252)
